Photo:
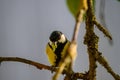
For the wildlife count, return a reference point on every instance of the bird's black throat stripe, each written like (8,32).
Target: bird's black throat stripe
(50,45)
(58,51)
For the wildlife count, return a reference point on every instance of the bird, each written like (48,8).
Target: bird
(56,48)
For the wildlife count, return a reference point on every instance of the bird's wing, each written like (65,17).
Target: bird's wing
(51,55)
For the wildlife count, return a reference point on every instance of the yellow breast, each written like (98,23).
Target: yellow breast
(52,56)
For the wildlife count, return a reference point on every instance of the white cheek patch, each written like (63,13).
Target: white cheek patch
(50,42)
(53,44)
(62,39)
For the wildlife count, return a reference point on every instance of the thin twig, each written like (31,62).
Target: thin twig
(105,64)
(77,26)
(102,29)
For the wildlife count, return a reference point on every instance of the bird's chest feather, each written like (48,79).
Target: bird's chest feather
(60,52)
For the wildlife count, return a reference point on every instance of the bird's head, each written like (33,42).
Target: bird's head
(57,37)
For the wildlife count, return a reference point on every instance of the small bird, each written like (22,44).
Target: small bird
(56,47)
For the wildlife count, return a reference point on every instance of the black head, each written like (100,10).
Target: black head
(55,36)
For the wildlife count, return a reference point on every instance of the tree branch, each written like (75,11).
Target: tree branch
(39,66)
(91,40)
(33,63)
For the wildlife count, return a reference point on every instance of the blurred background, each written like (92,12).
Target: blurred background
(25,26)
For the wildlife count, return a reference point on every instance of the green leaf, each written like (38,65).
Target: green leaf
(73,6)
